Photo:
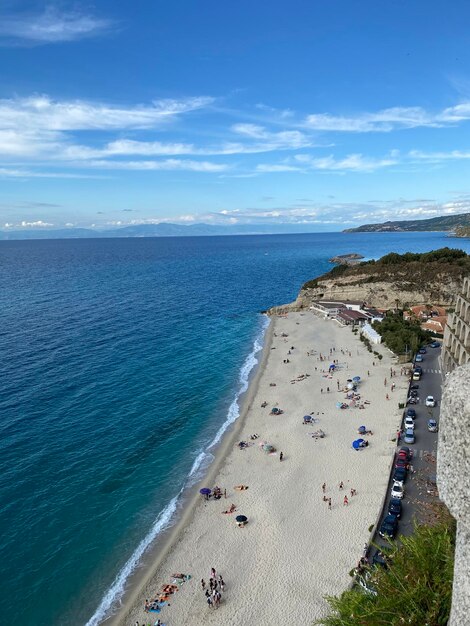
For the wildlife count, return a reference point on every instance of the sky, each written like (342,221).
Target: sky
(324,113)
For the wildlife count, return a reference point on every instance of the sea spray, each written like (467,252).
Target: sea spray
(166,517)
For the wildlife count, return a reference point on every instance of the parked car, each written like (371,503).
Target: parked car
(403,456)
(401,462)
(417,375)
(405,450)
(409,436)
(419,358)
(397,491)
(389,527)
(411,413)
(414,393)
(422,351)
(409,423)
(394,507)
(399,475)
(363,579)
(432,426)
(435,344)
(380,558)
(430,401)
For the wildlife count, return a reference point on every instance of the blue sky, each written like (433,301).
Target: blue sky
(324,113)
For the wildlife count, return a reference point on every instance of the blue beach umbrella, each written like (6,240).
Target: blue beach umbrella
(362,429)
(356,445)
(357,379)
(206,492)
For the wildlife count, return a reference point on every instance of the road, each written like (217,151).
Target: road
(422,479)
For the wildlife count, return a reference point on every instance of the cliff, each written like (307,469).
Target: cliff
(442,223)
(392,281)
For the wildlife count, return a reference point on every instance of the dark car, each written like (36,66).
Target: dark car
(394,507)
(401,462)
(435,344)
(406,450)
(415,386)
(380,559)
(411,413)
(414,393)
(389,527)
(419,369)
(399,474)
(422,350)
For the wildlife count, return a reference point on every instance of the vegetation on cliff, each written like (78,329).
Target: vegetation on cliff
(442,223)
(401,336)
(415,589)
(409,271)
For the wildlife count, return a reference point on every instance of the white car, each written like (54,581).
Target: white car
(409,423)
(430,401)
(398,491)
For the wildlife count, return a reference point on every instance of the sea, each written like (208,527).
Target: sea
(123,362)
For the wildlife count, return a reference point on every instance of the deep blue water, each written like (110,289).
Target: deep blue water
(120,361)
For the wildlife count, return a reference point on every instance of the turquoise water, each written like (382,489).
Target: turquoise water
(121,363)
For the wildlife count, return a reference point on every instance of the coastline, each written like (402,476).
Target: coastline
(191,538)
(170,536)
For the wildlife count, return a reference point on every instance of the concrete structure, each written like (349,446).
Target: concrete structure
(456,350)
(453,477)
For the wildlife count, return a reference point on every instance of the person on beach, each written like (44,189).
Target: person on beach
(281,456)
(341,485)
(221,583)
(385,382)
(323,487)
(209,601)
(345,501)
(329,504)
(353,492)
(203,584)
(387,397)
(213,572)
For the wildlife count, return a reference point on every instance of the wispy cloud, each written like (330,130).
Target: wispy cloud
(164,165)
(386,120)
(51,26)
(41,113)
(306,162)
(6,172)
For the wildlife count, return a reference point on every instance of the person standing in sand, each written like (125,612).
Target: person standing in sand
(329,504)
(341,485)
(281,456)
(323,487)
(345,501)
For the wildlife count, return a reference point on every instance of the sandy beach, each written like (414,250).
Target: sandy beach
(294,549)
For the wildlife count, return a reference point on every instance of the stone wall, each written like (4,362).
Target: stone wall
(453,478)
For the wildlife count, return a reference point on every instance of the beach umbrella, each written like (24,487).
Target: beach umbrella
(307,417)
(357,379)
(206,492)
(357,444)
(274,409)
(339,404)
(268,447)
(241,519)
(362,429)
(360,440)
(350,385)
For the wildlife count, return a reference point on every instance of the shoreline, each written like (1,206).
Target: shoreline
(191,539)
(169,537)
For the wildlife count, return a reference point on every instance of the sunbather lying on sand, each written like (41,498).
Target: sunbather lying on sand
(230,510)
(241,487)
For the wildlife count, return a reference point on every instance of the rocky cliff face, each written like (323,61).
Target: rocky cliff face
(378,290)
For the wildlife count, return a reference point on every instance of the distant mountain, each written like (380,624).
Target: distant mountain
(443,223)
(164,229)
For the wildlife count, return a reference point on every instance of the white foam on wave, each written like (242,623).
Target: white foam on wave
(116,590)
(200,464)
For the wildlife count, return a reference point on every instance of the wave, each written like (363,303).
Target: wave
(165,519)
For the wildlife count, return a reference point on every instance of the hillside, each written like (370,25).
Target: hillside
(462,231)
(393,281)
(443,223)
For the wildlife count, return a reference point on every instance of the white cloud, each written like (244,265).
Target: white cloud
(7,172)
(437,157)
(52,26)
(305,162)
(166,164)
(387,120)
(41,113)
(36,224)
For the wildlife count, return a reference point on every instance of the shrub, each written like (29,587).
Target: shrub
(415,589)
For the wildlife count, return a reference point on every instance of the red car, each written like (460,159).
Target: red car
(401,462)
